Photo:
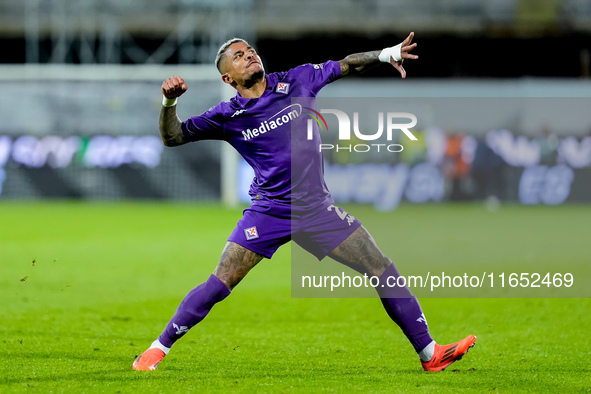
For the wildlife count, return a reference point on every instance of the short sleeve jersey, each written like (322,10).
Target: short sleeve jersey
(271,133)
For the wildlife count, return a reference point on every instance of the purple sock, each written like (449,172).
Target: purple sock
(194,307)
(404,309)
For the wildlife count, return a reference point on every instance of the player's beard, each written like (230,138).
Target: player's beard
(254,78)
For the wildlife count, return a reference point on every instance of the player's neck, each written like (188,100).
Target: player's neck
(254,90)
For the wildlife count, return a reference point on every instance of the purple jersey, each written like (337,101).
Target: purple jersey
(270,132)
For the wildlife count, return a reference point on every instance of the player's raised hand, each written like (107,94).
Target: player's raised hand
(405,48)
(174,87)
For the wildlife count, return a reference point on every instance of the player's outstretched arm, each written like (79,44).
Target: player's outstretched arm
(359,62)
(169,123)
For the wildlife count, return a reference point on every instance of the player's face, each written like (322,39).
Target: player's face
(243,64)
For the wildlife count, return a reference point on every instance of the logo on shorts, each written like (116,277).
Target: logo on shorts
(282,87)
(342,214)
(251,233)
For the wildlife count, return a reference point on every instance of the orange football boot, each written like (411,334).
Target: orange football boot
(446,355)
(148,360)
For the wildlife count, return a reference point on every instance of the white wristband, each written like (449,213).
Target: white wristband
(169,102)
(393,52)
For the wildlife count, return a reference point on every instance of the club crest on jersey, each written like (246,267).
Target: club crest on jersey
(282,87)
(251,233)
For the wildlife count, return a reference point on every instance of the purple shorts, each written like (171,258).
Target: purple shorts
(263,229)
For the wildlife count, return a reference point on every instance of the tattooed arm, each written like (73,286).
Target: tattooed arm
(359,62)
(169,122)
(170,127)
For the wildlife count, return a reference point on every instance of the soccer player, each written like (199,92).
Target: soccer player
(290,199)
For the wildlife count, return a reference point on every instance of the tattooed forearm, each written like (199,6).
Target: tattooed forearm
(359,62)
(236,261)
(170,127)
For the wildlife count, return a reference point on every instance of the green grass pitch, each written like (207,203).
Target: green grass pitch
(85,287)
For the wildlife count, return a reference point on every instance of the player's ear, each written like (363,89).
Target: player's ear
(226,78)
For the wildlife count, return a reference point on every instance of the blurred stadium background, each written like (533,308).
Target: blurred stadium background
(80,96)
(88,285)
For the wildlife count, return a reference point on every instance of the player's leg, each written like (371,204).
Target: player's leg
(236,261)
(361,252)
(257,235)
(334,232)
